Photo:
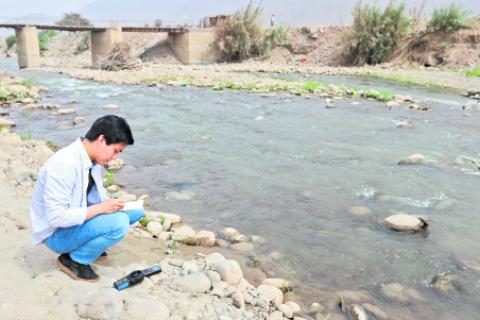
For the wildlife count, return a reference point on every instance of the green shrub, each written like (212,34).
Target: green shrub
(10,41)
(475,72)
(108,179)
(44,36)
(26,82)
(375,34)
(449,19)
(3,96)
(274,37)
(239,36)
(84,43)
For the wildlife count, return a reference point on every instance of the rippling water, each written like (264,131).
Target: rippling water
(287,169)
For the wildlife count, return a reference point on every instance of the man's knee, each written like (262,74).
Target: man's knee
(120,224)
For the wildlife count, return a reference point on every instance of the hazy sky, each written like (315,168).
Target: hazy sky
(15,8)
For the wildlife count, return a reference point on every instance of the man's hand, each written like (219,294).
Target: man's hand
(106,207)
(112,205)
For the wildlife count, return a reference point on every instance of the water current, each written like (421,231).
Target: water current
(287,169)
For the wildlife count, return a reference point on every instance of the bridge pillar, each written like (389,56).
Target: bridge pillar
(102,43)
(194,46)
(28,51)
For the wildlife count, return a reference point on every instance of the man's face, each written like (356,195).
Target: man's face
(105,153)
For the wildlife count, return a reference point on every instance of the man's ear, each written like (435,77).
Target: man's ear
(101,139)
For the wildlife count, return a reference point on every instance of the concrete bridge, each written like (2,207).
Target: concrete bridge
(191,46)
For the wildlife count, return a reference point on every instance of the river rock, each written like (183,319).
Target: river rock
(214,276)
(185,234)
(230,234)
(146,309)
(205,238)
(405,222)
(229,271)
(446,284)
(276,315)
(111,107)
(146,199)
(238,300)
(113,188)
(279,283)
(404,124)
(285,310)
(78,120)
(414,159)
(190,267)
(376,311)
(213,258)
(469,263)
(294,307)
(104,304)
(243,247)
(66,111)
(7,123)
(48,106)
(155,228)
(398,293)
(271,293)
(194,283)
(359,211)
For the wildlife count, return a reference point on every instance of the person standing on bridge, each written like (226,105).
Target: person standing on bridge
(71,212)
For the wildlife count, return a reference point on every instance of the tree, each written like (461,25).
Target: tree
(74,20)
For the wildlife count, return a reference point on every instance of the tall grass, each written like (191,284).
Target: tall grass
(375,34)
(10,41)
(44,36)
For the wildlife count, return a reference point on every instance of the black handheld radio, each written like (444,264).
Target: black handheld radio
(136,277)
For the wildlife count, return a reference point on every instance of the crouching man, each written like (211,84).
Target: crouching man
(71,212)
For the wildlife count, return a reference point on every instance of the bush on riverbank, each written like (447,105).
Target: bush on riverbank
(84,43)
(475,72)
(449,19)
(375,34)
(44,36)
(274,37)
(10,41)
(239,36)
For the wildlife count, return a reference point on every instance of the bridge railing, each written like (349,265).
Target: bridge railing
(39,21)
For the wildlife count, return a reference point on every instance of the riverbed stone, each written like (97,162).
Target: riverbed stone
(229,271)
(238,300)
(376,311)
(446,284)
(194,283)
(294,307)
(78,121)
(398,293)
(205,238)
(271,293)
(359,210)
(213,276)
(276,315)
(115,164)
(468,262)
(213,258)
(155,228)
(147,308)
(4,122)
(113,188)
(243,247)
(414,159)
(66,111)
(404,222)
(279,283)
(230,234)
(285,310)
(404,124)
(185,195)
(184,234)
(111,107)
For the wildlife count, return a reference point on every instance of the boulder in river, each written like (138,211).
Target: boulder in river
(66,111)
(7,123)
(405,222)
(416,158)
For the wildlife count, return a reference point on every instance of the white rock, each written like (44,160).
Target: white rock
(230,233)
(229,271)
(111,107)
(7,123)
(238,300)
(405,222)
(359,211)
(214,276)
(190,267)
(66,111)
(416,158)
(277,315)
(194,283)
(185,195)
(205,238)
(294,307)
(271,293)
(279,283)
(184,234)
(155,228)
(285,310)
(243,247)
(214,257)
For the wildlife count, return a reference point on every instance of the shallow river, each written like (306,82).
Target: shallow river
(287,169)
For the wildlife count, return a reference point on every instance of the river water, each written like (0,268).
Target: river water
(287,169)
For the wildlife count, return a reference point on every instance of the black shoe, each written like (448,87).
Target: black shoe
(75,270)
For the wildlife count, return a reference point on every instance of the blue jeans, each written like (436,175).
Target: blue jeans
(87,241)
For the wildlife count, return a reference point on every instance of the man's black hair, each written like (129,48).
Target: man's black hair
(114,129)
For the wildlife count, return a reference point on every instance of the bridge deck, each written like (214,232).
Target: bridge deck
(84,28)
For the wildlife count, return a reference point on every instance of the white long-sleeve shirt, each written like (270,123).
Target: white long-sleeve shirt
(59,199)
